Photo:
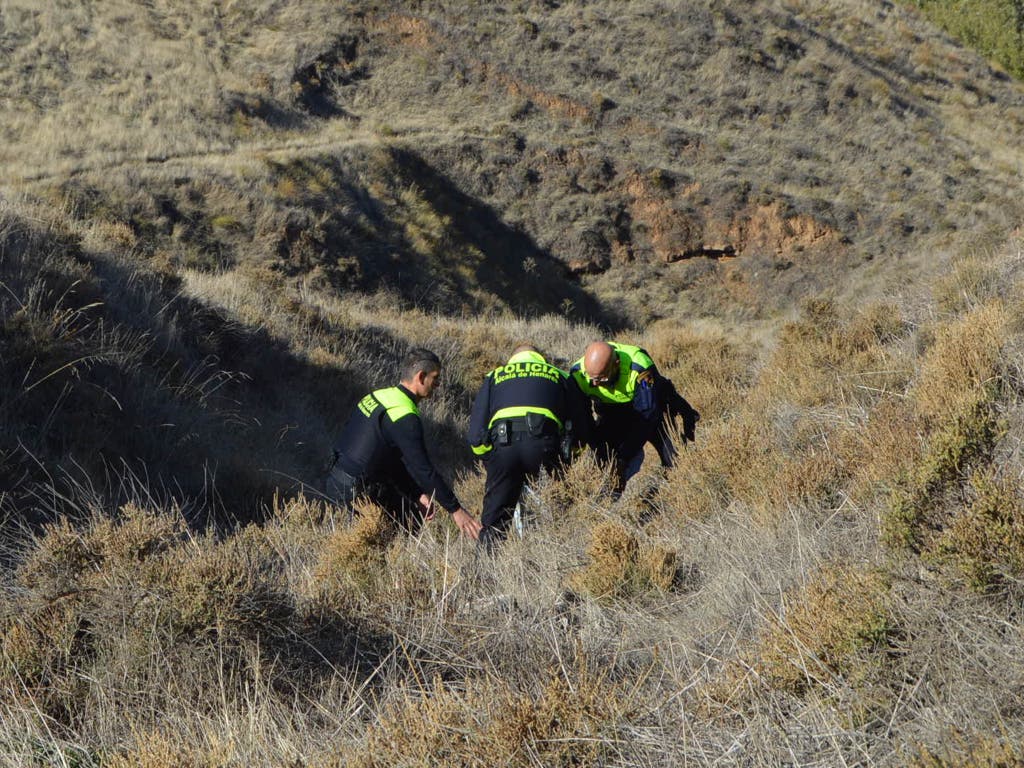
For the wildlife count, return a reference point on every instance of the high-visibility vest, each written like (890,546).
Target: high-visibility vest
(633,361)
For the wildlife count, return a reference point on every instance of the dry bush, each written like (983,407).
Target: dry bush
(481,348)
(969,750)
(823,358)
(351,560)
(962,367)
(916,506)
(735,459)
(39,645)
(619,566)
(955,398)
(769,466)
(114,587)
(832,635)
(985,542)
(709,367)
(162,748)
(231,591)
(569,717)
(580,492)
(972,282)
(882,450)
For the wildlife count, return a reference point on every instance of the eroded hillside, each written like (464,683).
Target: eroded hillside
(220,225)
(709,158)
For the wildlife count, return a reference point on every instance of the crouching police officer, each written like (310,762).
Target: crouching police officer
(526,414)
(634,405)
(381,452)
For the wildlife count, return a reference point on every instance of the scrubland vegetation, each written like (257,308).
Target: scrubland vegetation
(994,27)
(219,228)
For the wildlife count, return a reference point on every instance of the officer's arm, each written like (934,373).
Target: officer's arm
(646,399)
(579,410)
(407,434)
(479,439)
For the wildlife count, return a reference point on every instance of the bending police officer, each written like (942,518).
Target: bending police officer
(523,413)
(634,406)
(381,452)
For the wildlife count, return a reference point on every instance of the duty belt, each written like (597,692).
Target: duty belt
(516,428)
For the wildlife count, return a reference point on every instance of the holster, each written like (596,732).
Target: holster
(501,434)
(565,444)
(535,424)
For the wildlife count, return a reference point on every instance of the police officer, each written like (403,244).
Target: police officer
(381,452)
(518,425)
(631,400)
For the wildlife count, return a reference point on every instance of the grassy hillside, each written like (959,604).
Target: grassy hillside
(219,227)
(994,27)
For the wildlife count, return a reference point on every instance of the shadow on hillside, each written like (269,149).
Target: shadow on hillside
(401,223)
(115,387)
(903,67)
(529,279)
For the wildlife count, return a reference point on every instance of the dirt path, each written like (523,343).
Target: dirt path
(266,150)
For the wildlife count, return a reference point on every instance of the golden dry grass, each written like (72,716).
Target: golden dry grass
(198,280)
(831,634)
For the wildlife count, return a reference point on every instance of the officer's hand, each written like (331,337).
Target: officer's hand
(427,508)
(468,524)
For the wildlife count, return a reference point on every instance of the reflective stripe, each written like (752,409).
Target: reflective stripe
(522,410)
(632,362)
(480,450)
(525,364)
(397,403)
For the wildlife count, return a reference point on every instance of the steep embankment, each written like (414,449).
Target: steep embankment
(220,225)
(681,158)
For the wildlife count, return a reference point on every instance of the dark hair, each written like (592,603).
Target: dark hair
(416,360)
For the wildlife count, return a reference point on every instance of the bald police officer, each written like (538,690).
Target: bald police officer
(633,403)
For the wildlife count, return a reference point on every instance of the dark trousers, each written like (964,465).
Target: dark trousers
(399,504)
(508,468)
(621,435)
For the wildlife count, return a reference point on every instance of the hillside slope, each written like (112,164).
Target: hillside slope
(680,156)
(221,225)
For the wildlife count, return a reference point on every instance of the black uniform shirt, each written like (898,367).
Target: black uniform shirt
(527,384)
(385,445)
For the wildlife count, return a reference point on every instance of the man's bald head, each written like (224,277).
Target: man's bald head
(600,361)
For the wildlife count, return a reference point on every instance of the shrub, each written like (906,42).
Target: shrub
(734,460)
(955,398)
(985,542)
(838,626)
(708,368)
(163,749)
(572,720)
(962,368)
(915,505)
(822,358)
(970,750)
(883,450)
(352,558)
(232,591)
(970,283)
(833,626)
(619,566)
(993,27)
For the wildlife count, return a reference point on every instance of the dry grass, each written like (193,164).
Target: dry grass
(180,339)
(619,567)
(830,638)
